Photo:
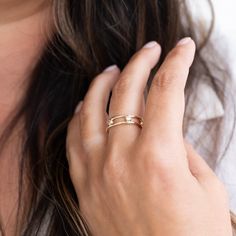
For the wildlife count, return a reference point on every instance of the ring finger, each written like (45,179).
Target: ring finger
(128,92)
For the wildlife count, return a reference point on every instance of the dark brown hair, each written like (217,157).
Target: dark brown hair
(89,36)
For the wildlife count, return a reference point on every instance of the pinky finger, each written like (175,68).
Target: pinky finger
(75,153)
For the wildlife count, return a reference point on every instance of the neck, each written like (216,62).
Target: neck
(15,10)
(21,42)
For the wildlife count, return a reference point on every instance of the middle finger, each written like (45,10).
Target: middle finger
(165,102)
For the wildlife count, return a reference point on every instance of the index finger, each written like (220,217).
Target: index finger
(165,102)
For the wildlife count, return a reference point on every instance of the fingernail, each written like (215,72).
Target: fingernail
(184,41)
(111,68)
(150,44)
(78,107)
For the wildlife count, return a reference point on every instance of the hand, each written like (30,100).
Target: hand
(148,181)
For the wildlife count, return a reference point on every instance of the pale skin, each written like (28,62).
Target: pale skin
(23,34)
(147,181)
(129,181)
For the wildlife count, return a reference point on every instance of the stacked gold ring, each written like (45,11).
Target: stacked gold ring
(124,119)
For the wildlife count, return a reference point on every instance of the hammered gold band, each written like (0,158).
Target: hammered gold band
(124,119)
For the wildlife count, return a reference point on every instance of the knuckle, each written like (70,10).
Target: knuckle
(158,160)
(169,74)
(165,79)
(122,85)
(137,61)
(158,172)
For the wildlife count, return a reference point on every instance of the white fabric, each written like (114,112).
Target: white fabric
(204,107)
(209,106)
(205,104)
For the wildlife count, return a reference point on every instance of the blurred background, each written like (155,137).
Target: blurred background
(225,28)
(225,25)
(223,38)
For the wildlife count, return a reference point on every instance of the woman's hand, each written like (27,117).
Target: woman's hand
(148,181)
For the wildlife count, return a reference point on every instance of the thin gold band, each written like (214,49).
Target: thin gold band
(127,120)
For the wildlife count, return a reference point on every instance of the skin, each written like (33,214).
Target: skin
(23,34)
(147,181)
(129,172)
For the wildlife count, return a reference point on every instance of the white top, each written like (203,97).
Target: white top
(205,107)
(209,106)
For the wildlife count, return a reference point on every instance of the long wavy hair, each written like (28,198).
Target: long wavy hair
(87,37)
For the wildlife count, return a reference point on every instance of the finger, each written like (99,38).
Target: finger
(75,153)
(93,117)
(197,165)
(165,103)
(93,114)
(128,93)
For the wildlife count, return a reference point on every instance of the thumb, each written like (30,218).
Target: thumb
(197,165)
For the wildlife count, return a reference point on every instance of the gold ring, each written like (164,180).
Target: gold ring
(124,119)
